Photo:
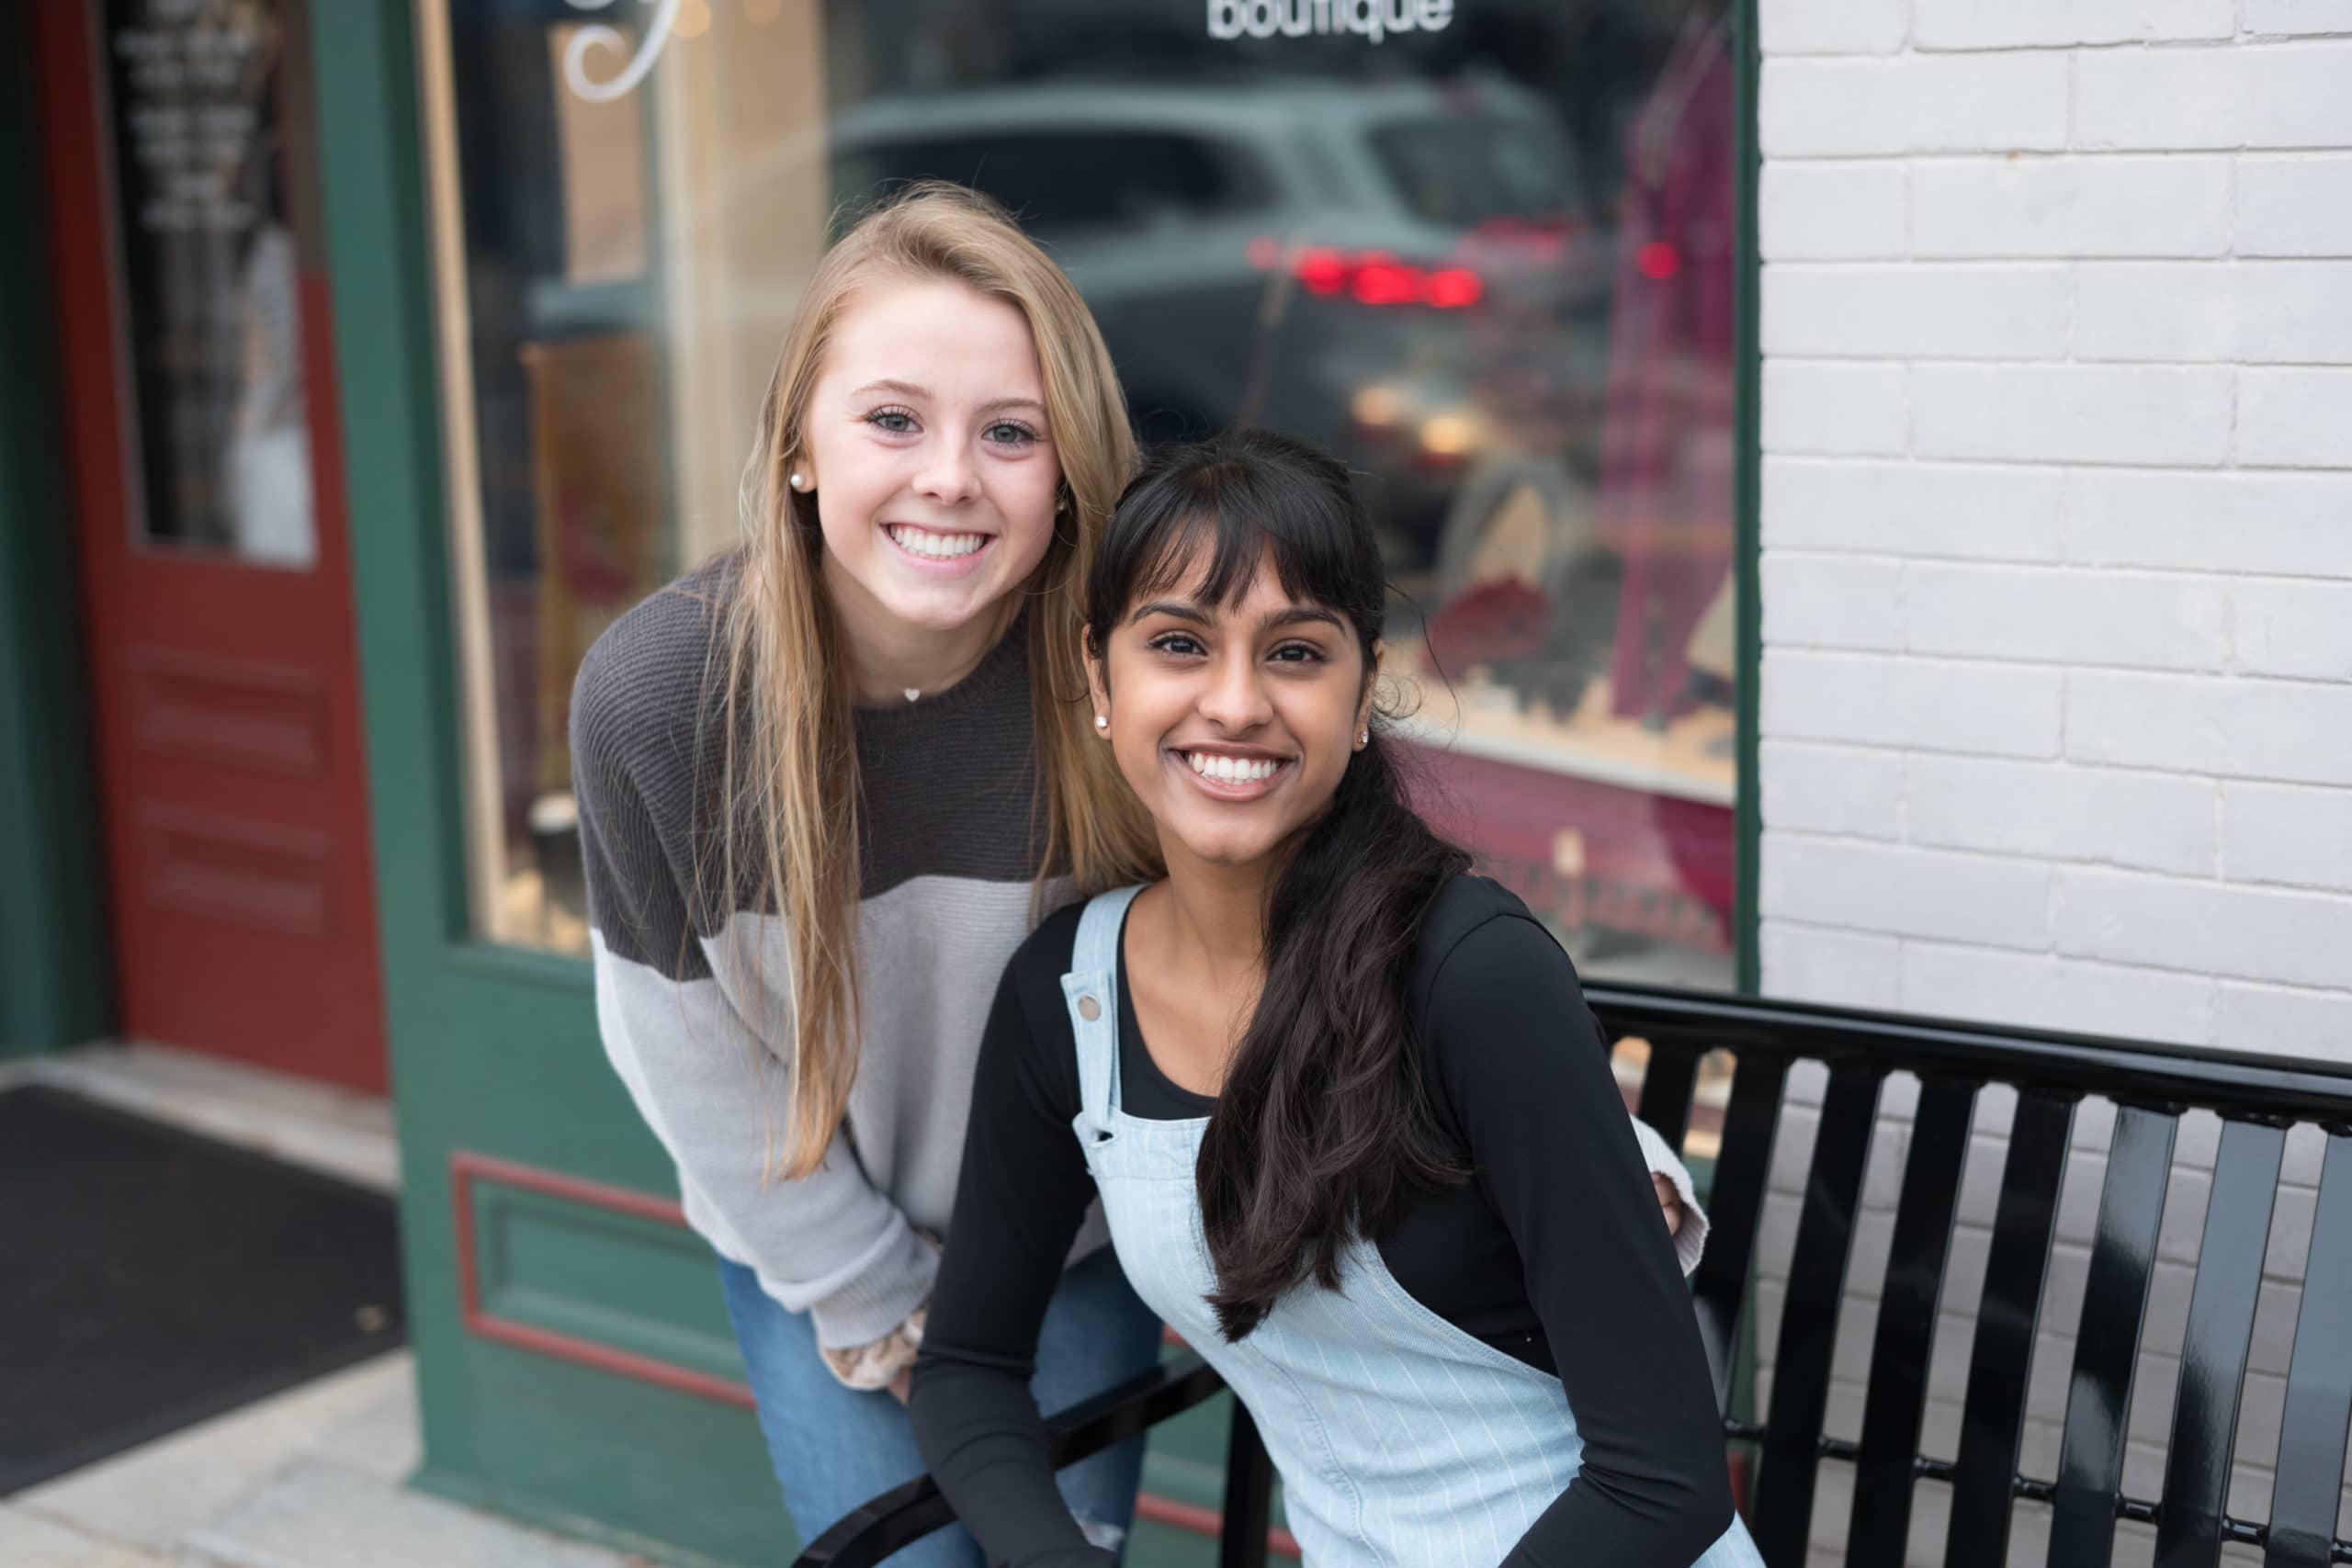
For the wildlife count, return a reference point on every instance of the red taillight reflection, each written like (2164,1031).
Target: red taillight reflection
(1320,271)
(1453,287)
(1372,277)
(1659,260)
(1382,280)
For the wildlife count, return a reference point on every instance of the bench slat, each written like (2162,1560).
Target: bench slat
(1993,1416)
(2213,1353)
(2107,1346)
(1809,1323)
(1666,1090)
(2303,1500)
(1884,1468)
(1743,1169)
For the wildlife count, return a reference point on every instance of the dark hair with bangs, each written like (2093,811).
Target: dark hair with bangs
(1323,1127)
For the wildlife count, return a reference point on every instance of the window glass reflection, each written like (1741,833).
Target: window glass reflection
(209,111)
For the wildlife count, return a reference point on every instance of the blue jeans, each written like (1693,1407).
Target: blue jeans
(834,1448)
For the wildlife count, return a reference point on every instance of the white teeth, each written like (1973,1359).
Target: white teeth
(1231,770)
(937,547)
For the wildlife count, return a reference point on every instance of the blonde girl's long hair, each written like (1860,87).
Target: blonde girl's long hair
(789,805)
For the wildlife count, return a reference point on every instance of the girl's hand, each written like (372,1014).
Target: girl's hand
(902,1386)
(1669,1202)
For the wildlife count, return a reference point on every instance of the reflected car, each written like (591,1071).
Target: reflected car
(1404,272)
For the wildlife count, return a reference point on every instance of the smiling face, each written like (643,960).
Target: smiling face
(1232,722)
(927,445)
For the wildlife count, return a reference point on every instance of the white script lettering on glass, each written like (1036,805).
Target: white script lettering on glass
(598,39)
(1373,19)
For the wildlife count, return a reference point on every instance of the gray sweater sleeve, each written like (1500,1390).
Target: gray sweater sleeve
(708,1085)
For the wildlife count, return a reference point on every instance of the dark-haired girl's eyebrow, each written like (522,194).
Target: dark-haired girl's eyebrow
(1301,613)
(1290,616)
(1181,609)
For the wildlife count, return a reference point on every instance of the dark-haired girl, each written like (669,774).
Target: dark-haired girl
(1350,1118)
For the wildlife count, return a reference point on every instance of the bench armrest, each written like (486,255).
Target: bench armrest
(883,1525)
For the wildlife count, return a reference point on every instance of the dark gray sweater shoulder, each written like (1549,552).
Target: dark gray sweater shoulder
(646,753)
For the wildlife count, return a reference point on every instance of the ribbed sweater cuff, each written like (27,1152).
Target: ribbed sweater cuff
(883,1296)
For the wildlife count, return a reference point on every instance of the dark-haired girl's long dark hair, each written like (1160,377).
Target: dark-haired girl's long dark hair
(1323,1126)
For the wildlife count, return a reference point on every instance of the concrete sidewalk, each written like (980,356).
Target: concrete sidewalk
(310,1478)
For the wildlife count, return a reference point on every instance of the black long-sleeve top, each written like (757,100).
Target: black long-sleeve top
(1552,1251)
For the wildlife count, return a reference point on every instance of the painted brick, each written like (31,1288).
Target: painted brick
(1828,407)
(1816,601)
(2016,24)
(1811,964)
(1831,789)
(1979,312)
(2294,628)
(2039,990)
(2299,837)
(2244,932)
(1875,700)
(2238,95)
(2295,205)
(2292,523)
(2285,731)
(2276,1304)
(2298,418)
(2071,412)
(2279,1019)
(2071,207)
(1833,211)
(1998,103)
(2278,17)
(2290,1233)
(1969,509)
(1832,26)
(2306,1154)
(2145,822)
(2158,622)
(2188,1194)
(2263,313)
(1905,892)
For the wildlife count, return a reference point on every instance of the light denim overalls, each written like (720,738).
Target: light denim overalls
(1402,1442)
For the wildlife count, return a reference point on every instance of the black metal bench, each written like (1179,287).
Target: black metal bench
(2258,1100)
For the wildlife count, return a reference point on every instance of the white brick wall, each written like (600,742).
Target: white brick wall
(2057,588)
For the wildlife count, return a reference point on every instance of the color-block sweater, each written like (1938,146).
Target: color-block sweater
(694,1010)
(696,1014)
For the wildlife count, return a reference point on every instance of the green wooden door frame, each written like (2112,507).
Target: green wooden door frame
(497,1073)
(1747,491)
(494,1050)
(1748,561)
(52,932)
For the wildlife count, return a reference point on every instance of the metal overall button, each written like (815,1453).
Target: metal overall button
(1089,1008)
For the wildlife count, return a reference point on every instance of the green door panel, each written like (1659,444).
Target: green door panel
(52,932)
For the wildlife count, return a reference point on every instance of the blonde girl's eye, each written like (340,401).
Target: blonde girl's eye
(1008,433)
(892,422)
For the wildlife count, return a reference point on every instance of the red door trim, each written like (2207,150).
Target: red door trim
(466,1168)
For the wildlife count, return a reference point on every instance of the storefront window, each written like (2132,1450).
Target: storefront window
(1486,258)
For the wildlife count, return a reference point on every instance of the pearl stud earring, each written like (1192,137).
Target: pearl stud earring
(800,480)
(1102,721)
(1364,738)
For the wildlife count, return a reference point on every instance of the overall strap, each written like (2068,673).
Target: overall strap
(1091,989)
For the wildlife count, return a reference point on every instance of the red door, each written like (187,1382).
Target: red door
(193,317)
